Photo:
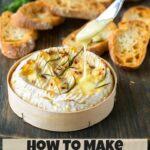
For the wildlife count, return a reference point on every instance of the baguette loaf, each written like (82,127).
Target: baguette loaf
(141,13)
(128,44)
(98,46)
(83,9)
(36,15)
(15,42)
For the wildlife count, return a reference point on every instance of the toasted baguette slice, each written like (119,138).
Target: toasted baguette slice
(99,46)
(15,42)
(83,9)
(128,44)
(105,2)
(141,13)
(36,15)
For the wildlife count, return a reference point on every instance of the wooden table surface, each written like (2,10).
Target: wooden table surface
(130,117)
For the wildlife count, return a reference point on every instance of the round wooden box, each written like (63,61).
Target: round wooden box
(57,121)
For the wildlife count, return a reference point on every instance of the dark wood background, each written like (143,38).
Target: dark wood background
(130,117)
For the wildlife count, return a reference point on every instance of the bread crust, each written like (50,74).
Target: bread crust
(96,47)
(36,15)
(141,13)
(81,9)
(136,12)
(105,2)
(15,42)
(129,59)
(15,51)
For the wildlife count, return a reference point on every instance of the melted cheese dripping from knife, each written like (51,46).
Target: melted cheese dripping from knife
(85,61)
(84,37)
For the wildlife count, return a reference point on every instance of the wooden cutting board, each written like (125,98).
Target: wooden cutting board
(130,117)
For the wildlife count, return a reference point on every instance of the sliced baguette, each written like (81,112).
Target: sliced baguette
(15,42)
(140,12)
(36,15)
(105,2)
(97,47)
(82,9)
(128,44)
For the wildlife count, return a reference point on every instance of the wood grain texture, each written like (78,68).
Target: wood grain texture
(130,117)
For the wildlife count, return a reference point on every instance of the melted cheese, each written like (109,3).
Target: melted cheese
(85,82)
(85,62)
(86,85)
(91,31)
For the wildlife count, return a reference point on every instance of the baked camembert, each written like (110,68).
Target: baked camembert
(51,79)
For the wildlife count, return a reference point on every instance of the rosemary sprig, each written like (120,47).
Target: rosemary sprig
(72,60)
(69,88)
(55,59)
(45,74)
(102,85)
(72,86)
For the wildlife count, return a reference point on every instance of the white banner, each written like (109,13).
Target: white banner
(75,144)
